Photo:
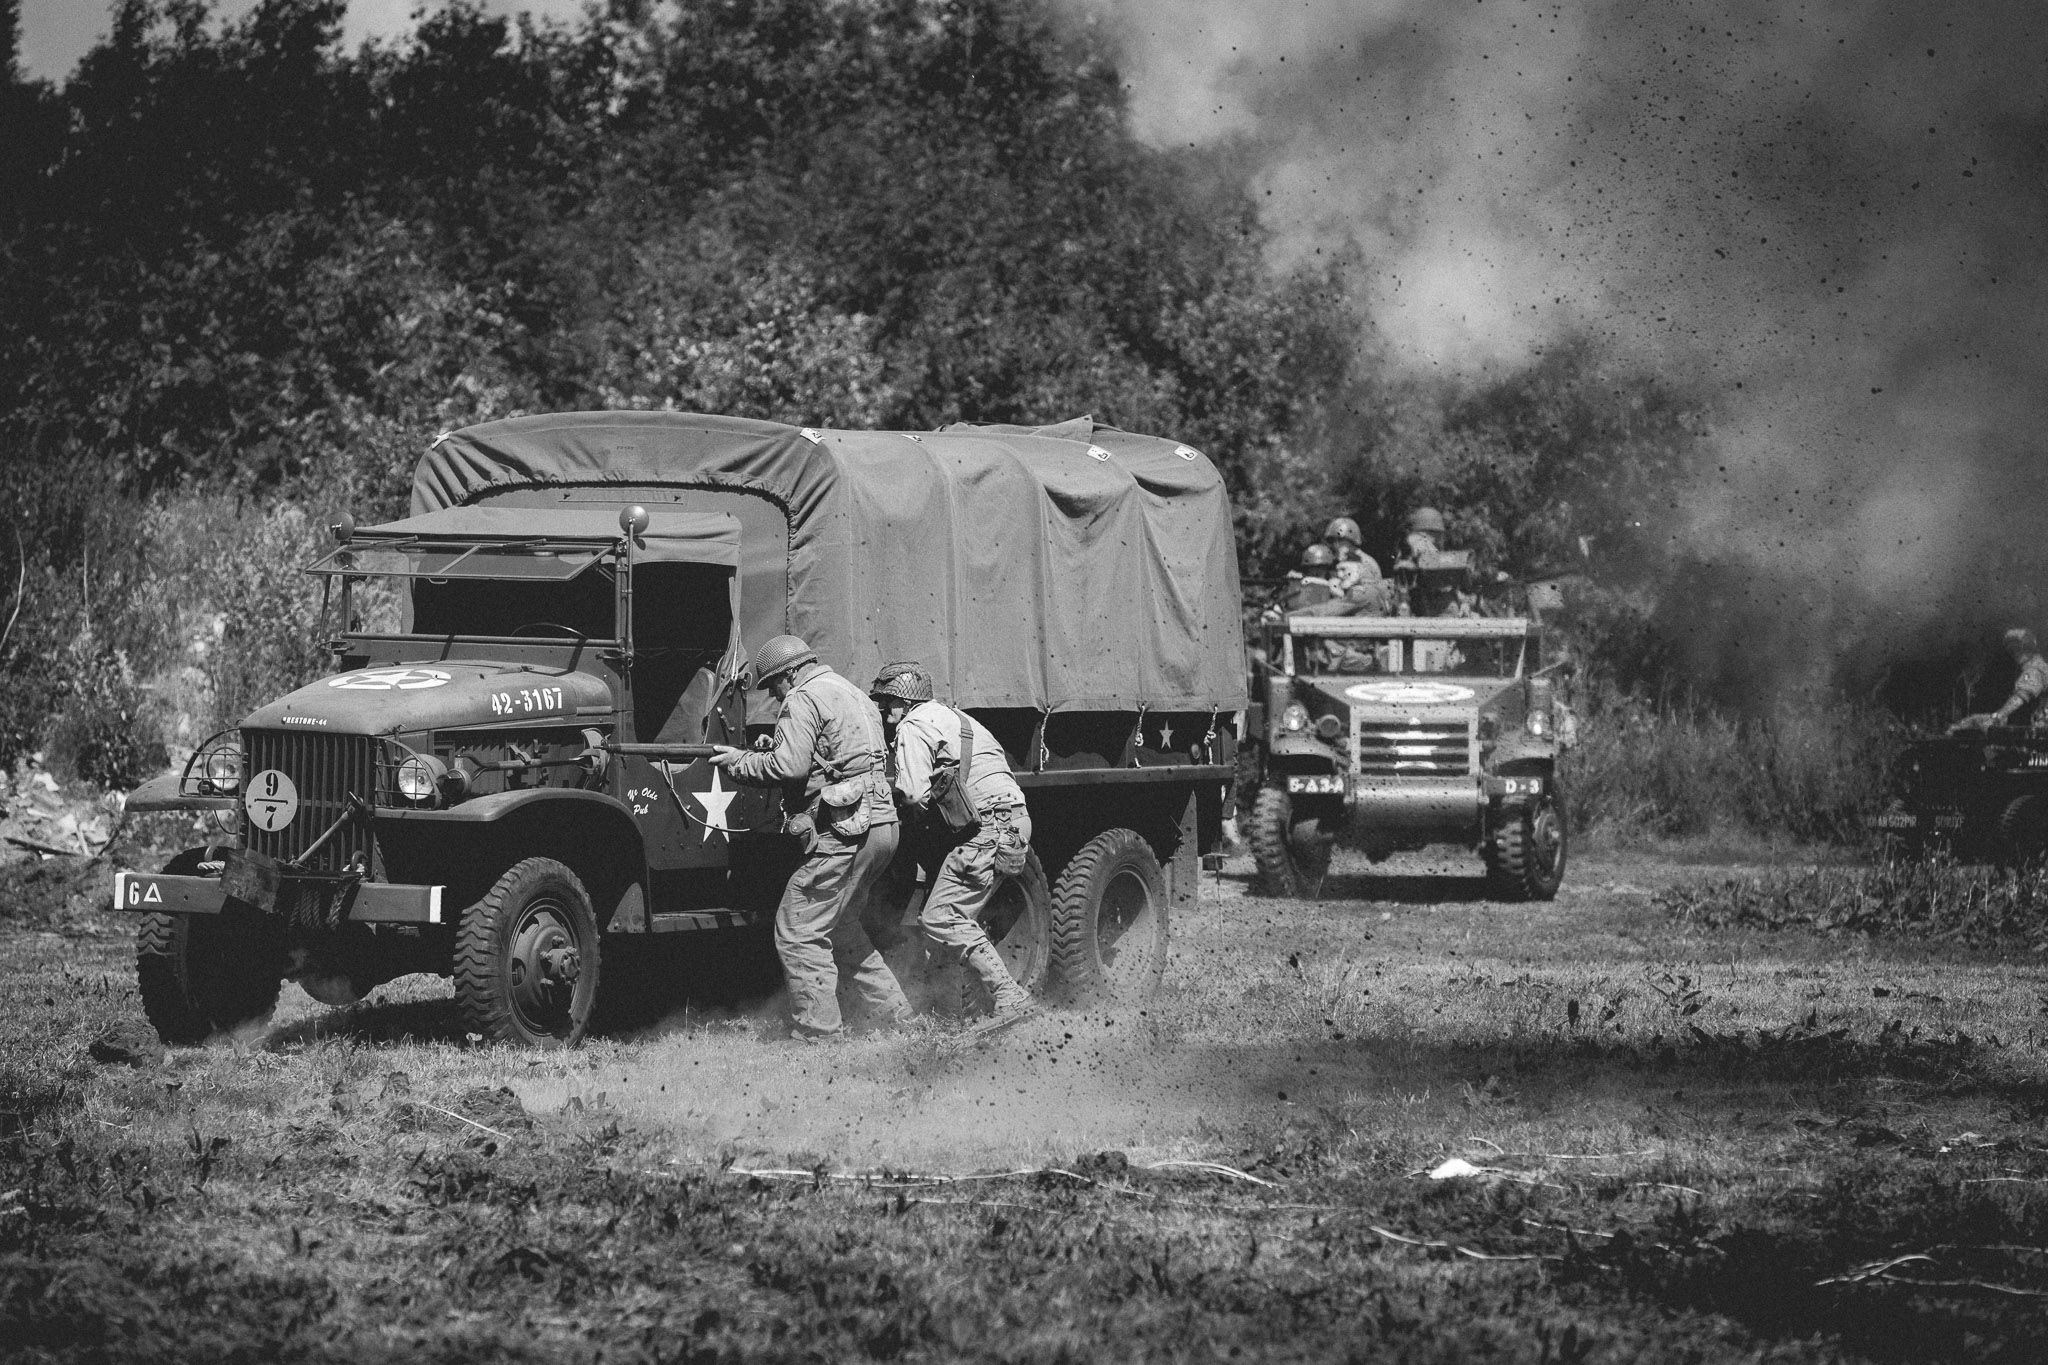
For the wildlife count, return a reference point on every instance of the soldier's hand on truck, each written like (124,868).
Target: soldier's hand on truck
(724,755)
(1976,722)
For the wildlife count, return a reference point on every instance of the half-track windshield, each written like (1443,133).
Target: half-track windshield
(1468,646)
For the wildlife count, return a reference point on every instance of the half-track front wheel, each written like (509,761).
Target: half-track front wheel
(204,974)
(1529,849)
(1109,919)
(526,958)
(1293,855)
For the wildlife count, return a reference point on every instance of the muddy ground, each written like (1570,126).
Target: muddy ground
(1670,1143)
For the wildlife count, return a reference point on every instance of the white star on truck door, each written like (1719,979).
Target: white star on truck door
(714,802)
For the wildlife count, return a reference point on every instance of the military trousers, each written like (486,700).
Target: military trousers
(818,933)
(967,879)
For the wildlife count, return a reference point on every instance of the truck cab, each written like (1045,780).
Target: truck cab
(1406,731)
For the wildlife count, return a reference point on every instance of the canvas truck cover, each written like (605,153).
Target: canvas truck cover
(1074,567)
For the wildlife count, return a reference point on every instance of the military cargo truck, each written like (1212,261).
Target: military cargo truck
(512,787)
(1403,732)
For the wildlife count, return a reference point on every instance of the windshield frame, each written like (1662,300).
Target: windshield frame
(610,551)
(1400,632)
(466,549)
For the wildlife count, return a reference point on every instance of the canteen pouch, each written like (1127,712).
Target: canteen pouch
(843,806)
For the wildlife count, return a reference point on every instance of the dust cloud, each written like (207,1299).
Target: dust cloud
(1826,218)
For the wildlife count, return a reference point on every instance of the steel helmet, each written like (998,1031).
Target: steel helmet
(780,655)
(1318,556)
(906,681)
(1426,519)
(1343,528)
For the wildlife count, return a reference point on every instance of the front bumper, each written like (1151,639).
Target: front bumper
(364,902)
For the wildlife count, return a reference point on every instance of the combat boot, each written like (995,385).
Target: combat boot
(985,962)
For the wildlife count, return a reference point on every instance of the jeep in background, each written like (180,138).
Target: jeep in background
(1402,732)
(513,788)
(1979,795)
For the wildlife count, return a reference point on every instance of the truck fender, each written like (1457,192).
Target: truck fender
(491,809)
(164,792)
(1300,747)
(1522,749)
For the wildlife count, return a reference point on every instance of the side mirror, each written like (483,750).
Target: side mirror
(343,528)
(633,521)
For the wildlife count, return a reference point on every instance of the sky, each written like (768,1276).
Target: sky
(56,33)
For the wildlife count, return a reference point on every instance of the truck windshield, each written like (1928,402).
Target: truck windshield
(1411,648)
(415,557)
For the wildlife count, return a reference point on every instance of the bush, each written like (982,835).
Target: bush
(1924,898)
(1809,770)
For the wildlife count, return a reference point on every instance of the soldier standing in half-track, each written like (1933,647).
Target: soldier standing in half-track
(930,740)
(828,755)
(2024,706)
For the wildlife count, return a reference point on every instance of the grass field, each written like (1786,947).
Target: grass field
(1685,1143)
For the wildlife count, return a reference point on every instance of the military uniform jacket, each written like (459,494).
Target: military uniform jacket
(930,735)
(2027,691)
(828,731)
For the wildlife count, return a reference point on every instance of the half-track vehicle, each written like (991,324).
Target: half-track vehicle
(512,787)
(1976,794)
(1405,731)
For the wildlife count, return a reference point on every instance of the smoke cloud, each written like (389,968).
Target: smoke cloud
(1828,215)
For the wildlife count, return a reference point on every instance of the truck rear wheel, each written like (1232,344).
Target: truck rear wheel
(1293,855)
(1109,919)
(1018,921)
(203,974)
(1529,848)
(526,958)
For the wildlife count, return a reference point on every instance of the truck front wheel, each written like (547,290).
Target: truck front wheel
(526,958)
(1529,849)
(204,974)
(1109,920)
(1293,855)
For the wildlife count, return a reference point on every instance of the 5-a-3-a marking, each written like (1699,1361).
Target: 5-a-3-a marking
(527,701)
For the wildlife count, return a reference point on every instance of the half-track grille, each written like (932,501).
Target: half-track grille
(1401,749)
(325,770)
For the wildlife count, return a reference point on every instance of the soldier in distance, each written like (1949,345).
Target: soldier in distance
(2024,706)
(1312,584)
(1356,578)
(927,749)
(828,756)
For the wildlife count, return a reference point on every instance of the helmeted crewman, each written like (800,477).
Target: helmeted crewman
(1312,584)
(1432,581)
(927,741)
(828,756)
(1356,578)
(2024,706)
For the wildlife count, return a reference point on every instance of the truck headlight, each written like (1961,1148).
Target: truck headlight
(1295,718)
(1539,722)
(224,767)
(419,778)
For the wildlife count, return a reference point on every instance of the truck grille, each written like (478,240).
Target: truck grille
(1398,749)
(326,770)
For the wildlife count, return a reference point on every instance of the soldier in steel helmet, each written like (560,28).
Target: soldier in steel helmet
(1313,583)
(2024,706)
(1356,577)
(828,756)
(928,741)
(1432,581)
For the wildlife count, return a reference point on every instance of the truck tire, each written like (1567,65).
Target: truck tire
(1018,921)
(203,974)
(1529,850)
(1109,919)
(2023,830)
(1293,856)
(526,958)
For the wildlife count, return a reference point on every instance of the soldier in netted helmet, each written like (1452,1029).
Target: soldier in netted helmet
(828,757)
(1432,581)
(936,744)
